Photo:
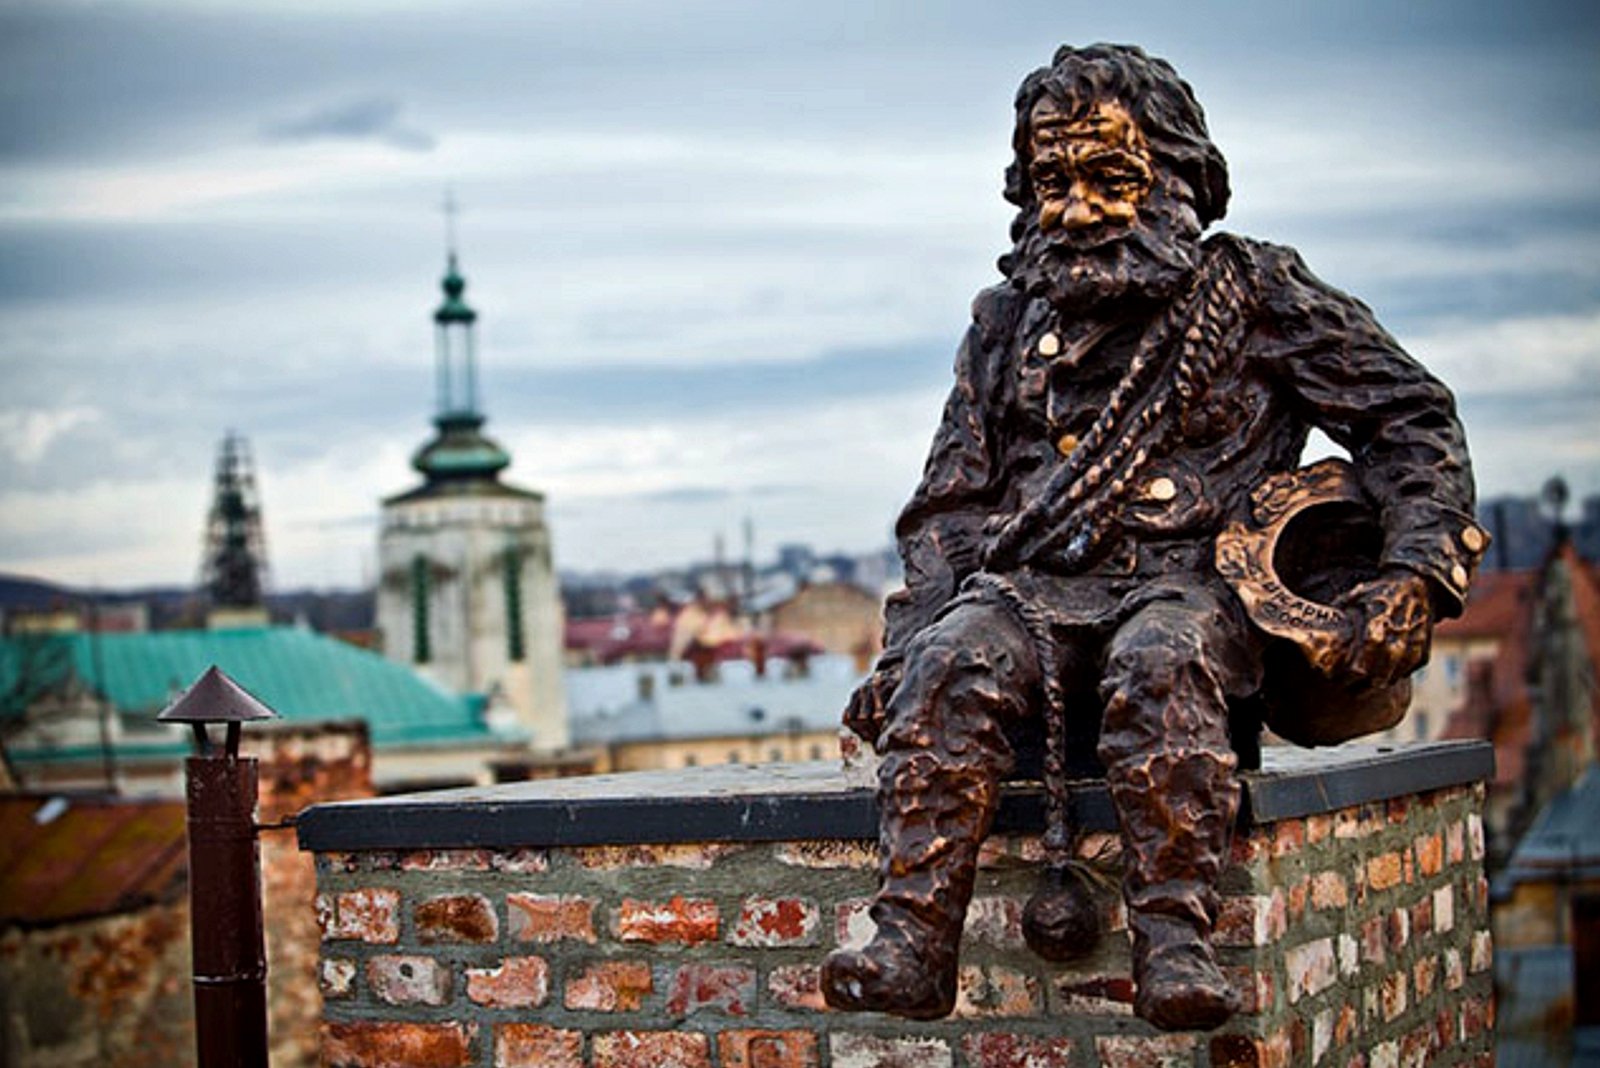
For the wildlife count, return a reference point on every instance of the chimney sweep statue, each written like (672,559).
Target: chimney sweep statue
(1112,553)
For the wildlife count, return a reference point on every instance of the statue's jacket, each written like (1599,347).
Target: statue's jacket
(1304,356)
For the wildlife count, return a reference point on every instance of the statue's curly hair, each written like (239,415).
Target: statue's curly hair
(1159,100)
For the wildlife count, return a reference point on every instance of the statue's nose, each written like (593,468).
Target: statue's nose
(1080,214)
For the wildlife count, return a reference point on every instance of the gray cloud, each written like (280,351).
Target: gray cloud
(373,119)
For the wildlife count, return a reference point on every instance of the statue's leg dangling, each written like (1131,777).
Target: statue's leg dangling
(944,754)
(1170,770)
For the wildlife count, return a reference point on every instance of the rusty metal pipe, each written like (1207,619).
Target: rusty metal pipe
(230,960)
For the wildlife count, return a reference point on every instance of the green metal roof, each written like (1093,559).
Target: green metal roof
(299,674)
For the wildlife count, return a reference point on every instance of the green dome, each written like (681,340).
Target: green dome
(460,450)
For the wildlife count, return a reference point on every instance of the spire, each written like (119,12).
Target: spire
(460,451)
(235,554)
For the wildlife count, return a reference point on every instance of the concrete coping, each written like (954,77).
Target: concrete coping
(788,802)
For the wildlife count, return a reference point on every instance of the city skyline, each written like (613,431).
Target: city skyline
(723,257)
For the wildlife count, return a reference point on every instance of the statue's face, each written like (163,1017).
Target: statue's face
(1089,169)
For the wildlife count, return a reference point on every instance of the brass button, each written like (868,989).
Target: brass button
(1472,538)
(1161,489)
(1049,345)
(1458,575)
(1066,443)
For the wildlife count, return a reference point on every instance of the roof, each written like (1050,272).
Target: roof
(1496,606)
(1564,841)
(66,858)
(301,675)
(606,706)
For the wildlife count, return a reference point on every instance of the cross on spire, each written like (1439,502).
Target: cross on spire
(450,208)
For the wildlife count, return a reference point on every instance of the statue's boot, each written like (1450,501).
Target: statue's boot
(944,753)
(1178,986)
(1170,772)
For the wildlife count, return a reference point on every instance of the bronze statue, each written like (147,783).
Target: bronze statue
(1129,411)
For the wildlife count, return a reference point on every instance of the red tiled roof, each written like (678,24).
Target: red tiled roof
(1497,605)
(98,856)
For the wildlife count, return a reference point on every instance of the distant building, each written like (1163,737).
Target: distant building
(841,617)
(68,701)
(467,594)
(657,715)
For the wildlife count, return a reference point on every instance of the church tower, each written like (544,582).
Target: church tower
(467,592)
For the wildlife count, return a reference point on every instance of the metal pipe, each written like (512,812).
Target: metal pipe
(230,960)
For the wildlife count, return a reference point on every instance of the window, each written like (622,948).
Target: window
(421,653)
(774,755)
(690,760)
(816,752)
(511,568)
(1420,726)
(733,756)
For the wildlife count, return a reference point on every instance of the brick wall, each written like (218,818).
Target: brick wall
(1358,936)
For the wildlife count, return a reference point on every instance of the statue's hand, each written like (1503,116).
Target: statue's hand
(1393,617)
(867,711)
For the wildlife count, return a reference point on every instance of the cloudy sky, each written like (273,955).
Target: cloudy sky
(723,251)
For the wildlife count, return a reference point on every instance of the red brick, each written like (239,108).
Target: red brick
(524,1045)
(994,991)
(336,977)
(1298,893)
(1423,975)
(651,1049)
(1444,910)
(1422,918)
(519,983)
(1318,828)
(784,921)
(767,1049)
(610,986)
(850,1050)
(834,853)
(1246,850)
(686,920)
(1430,854)
(456,918)
(853,926)
(1399,809)
(1415,1047)
(1399,929)
(728,989)
(1310,969)
(1094,995)
(546,918)
(696,856)
(1251,921)
(446,860)
(1000,1050)
(1475,836)
(367,915)
(1288,836)
(1482,952)
(1344,1028)
(1328,891)
(1347,823)
(1247,1051)
(995,921)
(1455,842)
(1385,871)
(1131,1051)
(797,986)
(1255,988)
(1374,937)
(372,1044)
(1455,973)
(1474,1018)
(521,861)
(409,980)
(1392,995)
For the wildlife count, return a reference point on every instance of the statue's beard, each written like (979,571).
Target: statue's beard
(1086,271)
